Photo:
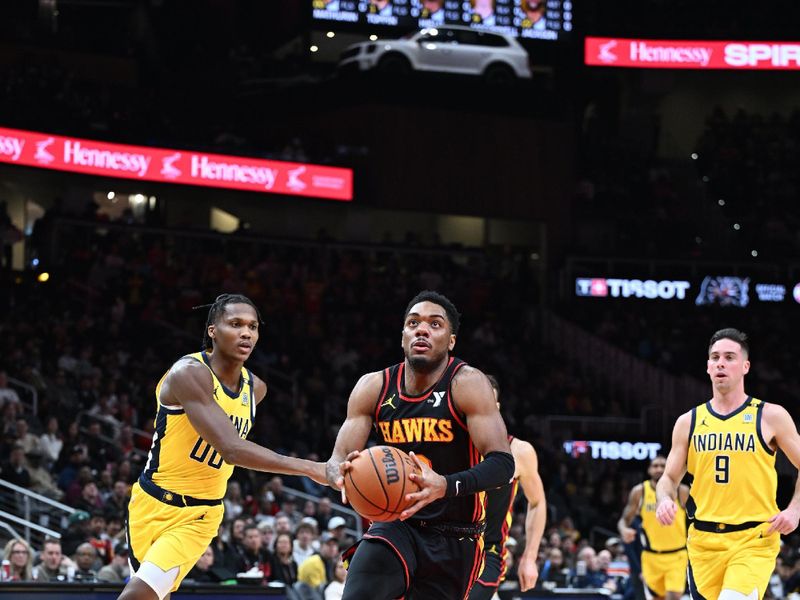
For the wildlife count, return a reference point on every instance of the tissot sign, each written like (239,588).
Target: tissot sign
(612,450)
(691,54)
(174,166)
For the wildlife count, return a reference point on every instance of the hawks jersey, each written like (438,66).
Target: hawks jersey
(180,460)
(433,428)
(655,536)
(733,467)
(499,503)
(499,515)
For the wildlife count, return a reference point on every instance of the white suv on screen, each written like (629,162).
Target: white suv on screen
(445,49)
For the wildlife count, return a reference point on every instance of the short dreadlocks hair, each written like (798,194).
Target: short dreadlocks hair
(216,309)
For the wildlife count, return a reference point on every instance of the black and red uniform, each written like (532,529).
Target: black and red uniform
(440,547)
(499,513)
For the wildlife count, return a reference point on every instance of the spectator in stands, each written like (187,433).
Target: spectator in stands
(117,502)
(254,554)
(69,472)
(587,573)
(25,437)
(77,531)
(275,485)
(304,537)
(284,567)
(310,510)
(335,588)
(19,554)
(336,527)
(233,500)
(118,570)
(90,497)
(7,394)
(318,568)
(114,524)
(324,511)
(553,569)
(54,565)
(14,471)
(50,442)
(41,480)
(85,557)
(283,524)
(267,529)
(202,572)
(99,539)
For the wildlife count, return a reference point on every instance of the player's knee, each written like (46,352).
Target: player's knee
(375,573)
(151,583)
(136,589)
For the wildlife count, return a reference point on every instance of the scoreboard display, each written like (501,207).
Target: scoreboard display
(525,19)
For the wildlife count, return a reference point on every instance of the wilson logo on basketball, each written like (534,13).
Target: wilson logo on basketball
(378,482)
(416,429)
(390,466)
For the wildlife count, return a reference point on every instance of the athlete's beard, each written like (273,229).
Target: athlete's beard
(424,364)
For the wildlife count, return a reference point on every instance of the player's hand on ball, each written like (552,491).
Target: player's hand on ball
(432,487)
(665,512)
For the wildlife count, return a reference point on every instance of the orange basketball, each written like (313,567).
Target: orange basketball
(378,482)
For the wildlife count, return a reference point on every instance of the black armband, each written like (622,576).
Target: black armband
(495,470)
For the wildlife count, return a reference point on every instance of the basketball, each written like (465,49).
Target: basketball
(378,481)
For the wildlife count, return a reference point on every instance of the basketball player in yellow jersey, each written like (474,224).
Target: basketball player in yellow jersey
(663,548)
(206,406)
(728,445)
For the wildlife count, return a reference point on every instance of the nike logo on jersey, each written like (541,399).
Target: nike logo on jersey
(458,483)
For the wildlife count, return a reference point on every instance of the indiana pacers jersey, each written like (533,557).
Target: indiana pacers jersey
(655,536)
(730,462)
(436,431)
(183,462)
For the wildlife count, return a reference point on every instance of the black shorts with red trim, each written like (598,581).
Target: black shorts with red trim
(493,569)
(436,564)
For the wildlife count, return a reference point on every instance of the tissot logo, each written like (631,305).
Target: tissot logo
(606,55)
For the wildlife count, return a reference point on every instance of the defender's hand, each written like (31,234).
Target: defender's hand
(527,572)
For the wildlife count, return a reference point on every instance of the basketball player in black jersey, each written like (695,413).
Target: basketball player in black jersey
(499,512)
(444,414)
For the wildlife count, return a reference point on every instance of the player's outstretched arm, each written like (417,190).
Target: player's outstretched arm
(189,385)
(626,532)
(355,430)
(667,486)
(778,420)
(527,467)
(472,394)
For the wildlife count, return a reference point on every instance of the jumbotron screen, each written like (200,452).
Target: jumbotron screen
(527,19)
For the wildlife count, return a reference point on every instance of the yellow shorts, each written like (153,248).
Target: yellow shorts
(169,536)
(664,573)
(739,561)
